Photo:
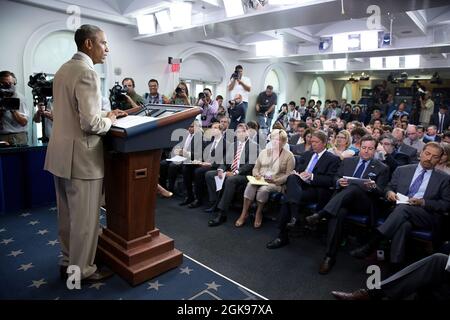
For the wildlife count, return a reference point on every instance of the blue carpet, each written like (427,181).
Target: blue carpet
(29,254)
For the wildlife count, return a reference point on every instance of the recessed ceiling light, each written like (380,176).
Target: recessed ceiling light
(406,32)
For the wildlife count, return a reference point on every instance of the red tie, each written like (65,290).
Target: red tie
(237,156)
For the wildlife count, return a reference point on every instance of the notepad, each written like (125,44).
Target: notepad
(219,182)
(402,199)
(257,182)
(358,181)
(177,159)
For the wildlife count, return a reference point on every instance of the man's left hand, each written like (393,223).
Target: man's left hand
(416,202)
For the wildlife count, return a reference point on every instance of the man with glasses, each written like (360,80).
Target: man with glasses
(412,138)
(133,101)
(153,96)
(210,108)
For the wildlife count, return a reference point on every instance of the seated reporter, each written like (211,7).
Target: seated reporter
(234,172)
(429,278)
(387,152)
(352,197)
(274,165)
(311,182)
(428,192)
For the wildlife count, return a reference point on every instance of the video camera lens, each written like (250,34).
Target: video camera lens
(178,90)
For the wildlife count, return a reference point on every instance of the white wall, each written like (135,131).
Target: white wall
(22,26)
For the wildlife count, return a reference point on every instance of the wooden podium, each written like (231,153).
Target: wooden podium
(131,245)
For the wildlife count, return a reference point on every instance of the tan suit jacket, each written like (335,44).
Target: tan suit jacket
(281,168)
(75,149)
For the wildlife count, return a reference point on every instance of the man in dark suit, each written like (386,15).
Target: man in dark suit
(411,152)
(191,147)
(429,276)
(213,154)
(428,191)
(234,171)
(312,182)
(441,119)
(390,155)
(431,135)
(352,197)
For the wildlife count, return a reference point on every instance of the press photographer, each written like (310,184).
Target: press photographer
(13,112)
(209,106)
(180,95)
(265,107)
(240,84)
(427,108)
(124,97)
(42,90)
(236,111)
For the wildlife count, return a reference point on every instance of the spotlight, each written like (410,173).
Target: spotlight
(364,77)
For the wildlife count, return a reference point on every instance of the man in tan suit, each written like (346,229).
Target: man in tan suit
(75,151)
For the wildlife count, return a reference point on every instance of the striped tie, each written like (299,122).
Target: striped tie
(237,156)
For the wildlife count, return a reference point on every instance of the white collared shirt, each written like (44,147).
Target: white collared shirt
(91,63)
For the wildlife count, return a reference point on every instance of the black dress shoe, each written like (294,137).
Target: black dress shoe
(362,252)
(211,207)
(326,265)
(99,275)
(360,294)
(194,204)
(217,220)
(313,219)
(277,243)
(186,201)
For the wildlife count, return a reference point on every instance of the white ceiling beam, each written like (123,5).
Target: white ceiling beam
(418,20)
(59,6)
(300,35)
(215,3)
(225,44)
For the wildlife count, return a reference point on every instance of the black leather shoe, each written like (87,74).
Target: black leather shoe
(313,219)
(186,201)
(217,220)
(211,207)
(326,265)
(362,252)
(277,243)
(99,275)
(360,294)
(194,204)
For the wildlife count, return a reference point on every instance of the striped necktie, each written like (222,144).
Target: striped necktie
(237,156)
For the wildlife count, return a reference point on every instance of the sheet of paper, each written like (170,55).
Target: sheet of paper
(256,182)
(358,181)
(131,121)
(219,182)
(177,159)
(402,199)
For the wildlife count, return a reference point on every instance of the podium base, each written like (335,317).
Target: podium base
(141,259)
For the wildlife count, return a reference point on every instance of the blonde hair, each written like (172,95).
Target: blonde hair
(348,137)
(279,133)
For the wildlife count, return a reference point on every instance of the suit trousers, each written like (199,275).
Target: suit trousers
(229,188)
(399,224)
(78,204)
(425,276)
(350,199)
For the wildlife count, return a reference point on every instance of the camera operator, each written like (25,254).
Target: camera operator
(209,106)
(181,95)
(46,113)
(154,97)
(236,111)
(133,100)
(397,114)
(427,109)
(240,84)
(265,107)
(13,123)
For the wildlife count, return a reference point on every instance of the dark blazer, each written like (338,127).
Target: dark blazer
(411,152)
(297,149)
(324,170)
(435,120)
(217,156)
(426,140)
(294,138)
(247,160)
(437,194)
(196,146)
(376,170)
(237,115)
(396,159)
